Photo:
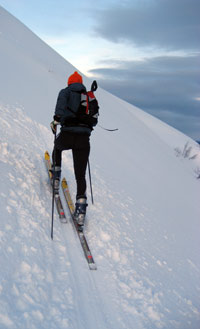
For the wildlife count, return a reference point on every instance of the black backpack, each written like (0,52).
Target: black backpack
(88,110)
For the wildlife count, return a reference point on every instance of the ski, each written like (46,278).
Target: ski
(81,235)
(57,198)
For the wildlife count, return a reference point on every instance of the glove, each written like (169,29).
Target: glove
(53,126)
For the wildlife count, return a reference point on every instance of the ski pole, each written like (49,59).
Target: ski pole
(90,181)
(53,192)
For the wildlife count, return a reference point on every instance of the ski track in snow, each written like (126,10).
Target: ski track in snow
(39,286)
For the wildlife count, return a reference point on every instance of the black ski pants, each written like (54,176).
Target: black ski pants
(80,146)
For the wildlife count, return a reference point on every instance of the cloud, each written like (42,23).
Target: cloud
(165,86)
(166,24)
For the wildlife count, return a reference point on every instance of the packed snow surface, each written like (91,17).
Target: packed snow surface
(143,229)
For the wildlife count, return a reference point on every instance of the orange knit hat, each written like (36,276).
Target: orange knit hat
(75,78)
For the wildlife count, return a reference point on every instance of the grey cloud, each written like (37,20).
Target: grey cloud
(171,24)
(166,87)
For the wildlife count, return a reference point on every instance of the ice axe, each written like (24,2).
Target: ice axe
(94,86)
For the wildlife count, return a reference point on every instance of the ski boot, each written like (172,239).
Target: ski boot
(56,177)
(80,212)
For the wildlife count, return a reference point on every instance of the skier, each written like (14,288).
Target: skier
(74,135)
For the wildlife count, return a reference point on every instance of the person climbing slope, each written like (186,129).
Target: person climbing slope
(75,134)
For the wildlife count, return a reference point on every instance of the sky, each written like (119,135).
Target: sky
(146,52)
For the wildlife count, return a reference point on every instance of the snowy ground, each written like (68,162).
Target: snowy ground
(143,229)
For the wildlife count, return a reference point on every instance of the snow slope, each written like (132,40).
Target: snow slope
(143,229)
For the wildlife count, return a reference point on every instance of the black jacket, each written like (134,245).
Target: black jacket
(69,98)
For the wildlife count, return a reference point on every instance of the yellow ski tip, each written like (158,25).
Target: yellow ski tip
(64,183)
(67,195)
(46,155)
